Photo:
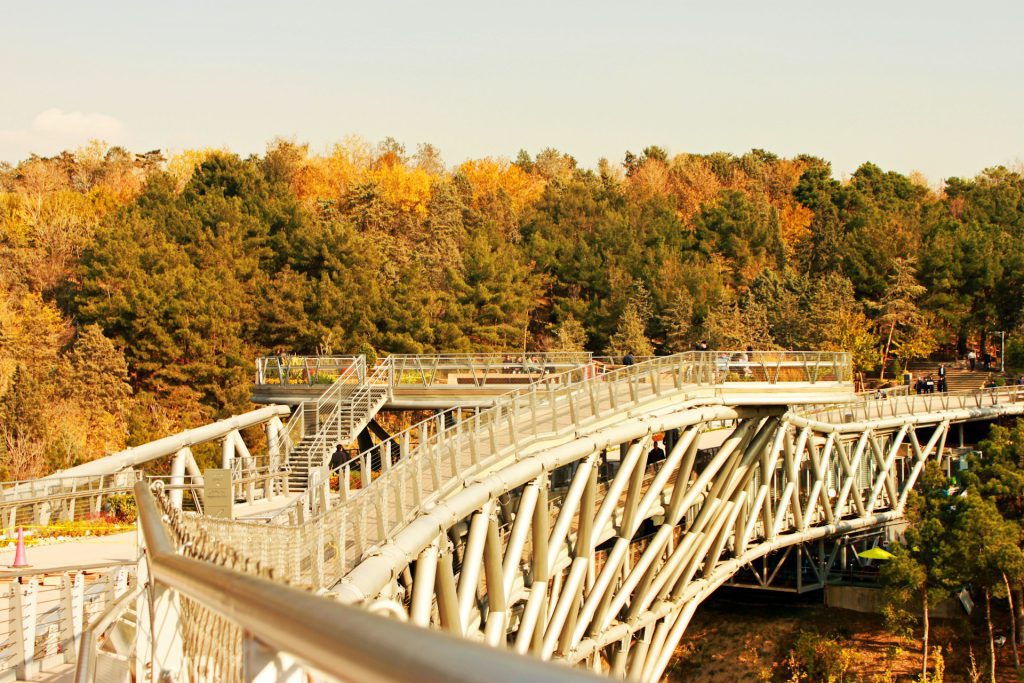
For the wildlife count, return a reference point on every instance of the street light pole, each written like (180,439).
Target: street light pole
(1002,349)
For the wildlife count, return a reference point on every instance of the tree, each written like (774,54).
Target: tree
(677,321)
(494,293)
(98,383)
(999,476)
(837,321)
(919,572)
(985,549)
(570,335)
(631,333)
(901,321)
(746,233)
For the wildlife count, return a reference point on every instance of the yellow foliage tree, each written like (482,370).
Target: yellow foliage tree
(408,189)
(693,183)
(489,176)
(32,332)
(182,165)
(329,177)
(794,225)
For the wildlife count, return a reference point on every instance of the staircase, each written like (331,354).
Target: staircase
(957,378)
(337,417)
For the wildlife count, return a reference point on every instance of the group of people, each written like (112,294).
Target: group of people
(515,365)
(988,360)
(929,385)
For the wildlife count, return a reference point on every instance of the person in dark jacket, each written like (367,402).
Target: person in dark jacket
(628,359)
(338,457)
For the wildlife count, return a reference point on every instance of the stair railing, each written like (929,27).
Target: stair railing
(297,427)
(348,412)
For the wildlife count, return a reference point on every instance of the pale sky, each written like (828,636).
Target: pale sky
(931,86)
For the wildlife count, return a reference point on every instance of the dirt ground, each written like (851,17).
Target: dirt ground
(742,638)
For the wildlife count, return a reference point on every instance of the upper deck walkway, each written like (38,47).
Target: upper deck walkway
(442,381)
(429,381)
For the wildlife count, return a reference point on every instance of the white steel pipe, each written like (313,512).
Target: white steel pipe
(171,444)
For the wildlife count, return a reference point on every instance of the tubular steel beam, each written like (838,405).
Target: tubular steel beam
(170,445)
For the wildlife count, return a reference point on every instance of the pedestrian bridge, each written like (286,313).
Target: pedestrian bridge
(547,526)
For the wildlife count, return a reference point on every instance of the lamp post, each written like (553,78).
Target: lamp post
(1002,349)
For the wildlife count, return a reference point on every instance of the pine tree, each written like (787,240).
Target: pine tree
(631,334)
(100,372)
(903,325)
(677,321)
(920,571)
(494,293)
(571,336)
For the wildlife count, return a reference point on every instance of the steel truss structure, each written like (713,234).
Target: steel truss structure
(611,575)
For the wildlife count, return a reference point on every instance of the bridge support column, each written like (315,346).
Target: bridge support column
(192,467)
(423,585)
(227,450)
(497,611)
(274,440)
(668,645)
(517,537)
(447,596)
(471,560)
(178,477)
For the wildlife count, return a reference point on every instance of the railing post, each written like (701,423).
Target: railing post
(72,610)
(24,596)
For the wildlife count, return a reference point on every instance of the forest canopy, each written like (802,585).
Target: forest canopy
(136,289)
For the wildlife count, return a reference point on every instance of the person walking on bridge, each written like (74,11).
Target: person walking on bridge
(972,358)
(942,378)
(338,457)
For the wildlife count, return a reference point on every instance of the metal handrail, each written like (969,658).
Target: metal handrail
(356,370)
(37,571)
(341,641)
(372,458)
(421,365)
(897,405)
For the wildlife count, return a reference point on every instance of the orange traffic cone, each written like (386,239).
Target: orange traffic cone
(20,560)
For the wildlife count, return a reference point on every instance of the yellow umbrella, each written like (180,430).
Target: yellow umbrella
(876,553)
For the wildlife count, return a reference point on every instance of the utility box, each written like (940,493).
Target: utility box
(218,495)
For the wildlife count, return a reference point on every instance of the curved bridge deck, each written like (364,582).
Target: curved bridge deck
(520,524)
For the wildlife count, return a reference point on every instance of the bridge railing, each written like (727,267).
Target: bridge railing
(43,612)
(480,369)
(386,486)
(310,416)
(344,416)
(303,370)
(60,499)
(219,616)
(872,406)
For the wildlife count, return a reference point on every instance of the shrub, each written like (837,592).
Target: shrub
(121,508)
(815,657)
